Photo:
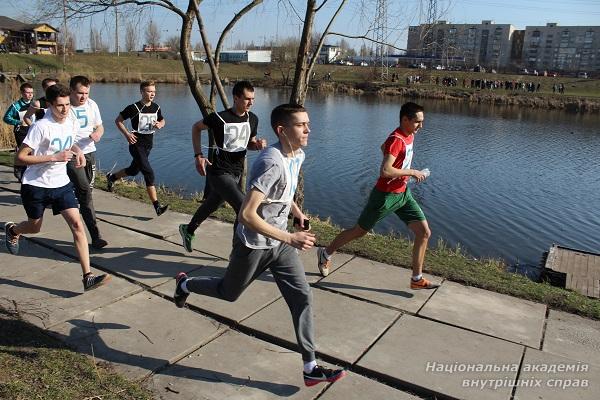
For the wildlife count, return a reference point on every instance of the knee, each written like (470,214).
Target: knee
(358,232)
(77,226)
(424,233)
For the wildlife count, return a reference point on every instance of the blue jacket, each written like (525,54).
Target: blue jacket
(11,116)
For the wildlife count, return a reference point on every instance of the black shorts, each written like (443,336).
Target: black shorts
(35,199)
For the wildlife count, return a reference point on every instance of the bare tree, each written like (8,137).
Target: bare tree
(152,35)
(173,43)
(130,37)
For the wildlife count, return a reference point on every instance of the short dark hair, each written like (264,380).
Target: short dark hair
(46,81)
(145,84)
(79,79)
(410,110)
(281,114)
(24,86)
(56,91)
(239,87)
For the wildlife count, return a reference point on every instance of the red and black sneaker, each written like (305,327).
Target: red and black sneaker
(320,374)
(180,296)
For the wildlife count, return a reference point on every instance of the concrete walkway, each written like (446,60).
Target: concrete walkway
(454,342)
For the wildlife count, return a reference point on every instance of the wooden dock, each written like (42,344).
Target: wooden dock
(574,269)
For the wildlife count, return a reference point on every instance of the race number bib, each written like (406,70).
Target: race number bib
(146,123)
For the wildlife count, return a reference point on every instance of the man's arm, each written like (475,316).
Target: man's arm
(80,157)
(249,217)
(200,161)
(25,157)
(257,143)
(97,133)
(11,116)
(388,171)
(31,110)
(120,122)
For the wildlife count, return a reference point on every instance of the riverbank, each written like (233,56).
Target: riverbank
(581,95)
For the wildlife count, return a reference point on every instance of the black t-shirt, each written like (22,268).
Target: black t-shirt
(225,161)
(39,114)
(133,112)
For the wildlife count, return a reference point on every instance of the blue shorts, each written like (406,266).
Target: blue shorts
(35,199)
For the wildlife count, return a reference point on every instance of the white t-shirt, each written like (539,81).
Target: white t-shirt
(88,117)
(47,137)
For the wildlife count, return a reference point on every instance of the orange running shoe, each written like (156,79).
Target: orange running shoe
(423,284)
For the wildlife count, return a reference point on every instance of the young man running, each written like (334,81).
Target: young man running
(262,242)
(146,118)
(87,114)
(46,150)
(14,116)
(391,195)
(234,131)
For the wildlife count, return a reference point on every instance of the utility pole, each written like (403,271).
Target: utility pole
(381,53)
(116,27)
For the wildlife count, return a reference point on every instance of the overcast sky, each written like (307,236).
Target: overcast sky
(282,18)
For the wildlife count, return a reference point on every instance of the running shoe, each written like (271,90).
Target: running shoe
(110,182)
(423,284)
(99,243)
(11,241)
(186,238)
(320,374)
(180,296)
(160,209)
(91,281)
(323,263)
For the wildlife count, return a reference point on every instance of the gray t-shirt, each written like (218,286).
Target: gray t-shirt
(276,176)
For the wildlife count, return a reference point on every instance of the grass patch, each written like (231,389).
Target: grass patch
(441,260)
(34,365)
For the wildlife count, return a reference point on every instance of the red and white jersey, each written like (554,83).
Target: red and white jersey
(400,146)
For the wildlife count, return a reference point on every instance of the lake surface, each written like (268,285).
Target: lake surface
(505,182)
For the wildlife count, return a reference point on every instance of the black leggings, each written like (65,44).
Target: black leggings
(140,163)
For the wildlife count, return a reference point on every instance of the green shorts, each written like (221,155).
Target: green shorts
(381,204)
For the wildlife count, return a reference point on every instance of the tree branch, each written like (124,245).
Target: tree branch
(365,38)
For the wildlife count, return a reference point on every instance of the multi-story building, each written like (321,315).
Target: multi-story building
(486,44)
(18,37)
(562,48)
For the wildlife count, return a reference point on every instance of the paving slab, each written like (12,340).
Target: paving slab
(235,367)
(380,283)
(544,376)
(427,354)
(258,295)
(309,259)
(344,327)
(573,337)
(357,387)
(495,314)
(54,294)
(32,258)
(212,237)
(12,210)
(136,214)
(138,334)
(8,180)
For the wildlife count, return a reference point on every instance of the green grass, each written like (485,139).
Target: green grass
(34,365)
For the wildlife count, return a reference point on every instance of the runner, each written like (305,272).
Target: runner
(391,195)
(14,116)
(262,242)
(86,112)
(235,131)
(46,150)
(38,107)
(146,118)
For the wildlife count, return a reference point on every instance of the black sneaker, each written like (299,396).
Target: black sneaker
(320,374)
(99,243)
(186,238)
(110,182)
(10,240)
(91,281)
(160,209)
(180,296)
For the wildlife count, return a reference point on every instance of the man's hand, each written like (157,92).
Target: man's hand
(201,164)
(63,156)
(302,240)
(261,143)
(80,160)
(131,138)
(418,175)
(95,136)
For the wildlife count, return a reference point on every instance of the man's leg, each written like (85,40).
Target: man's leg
(73,219)
(289,275)
(422,235)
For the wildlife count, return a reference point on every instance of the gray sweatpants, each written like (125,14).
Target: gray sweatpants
(83,183)
(246,264)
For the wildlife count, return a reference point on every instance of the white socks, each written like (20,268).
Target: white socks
(417,278)
(309,366)
(184,287)
(327,256)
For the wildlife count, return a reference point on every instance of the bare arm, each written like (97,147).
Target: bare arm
(120,122)
(257,143)
(249,217)
(25,157)
(97,133)
(200,161)
(388,171)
